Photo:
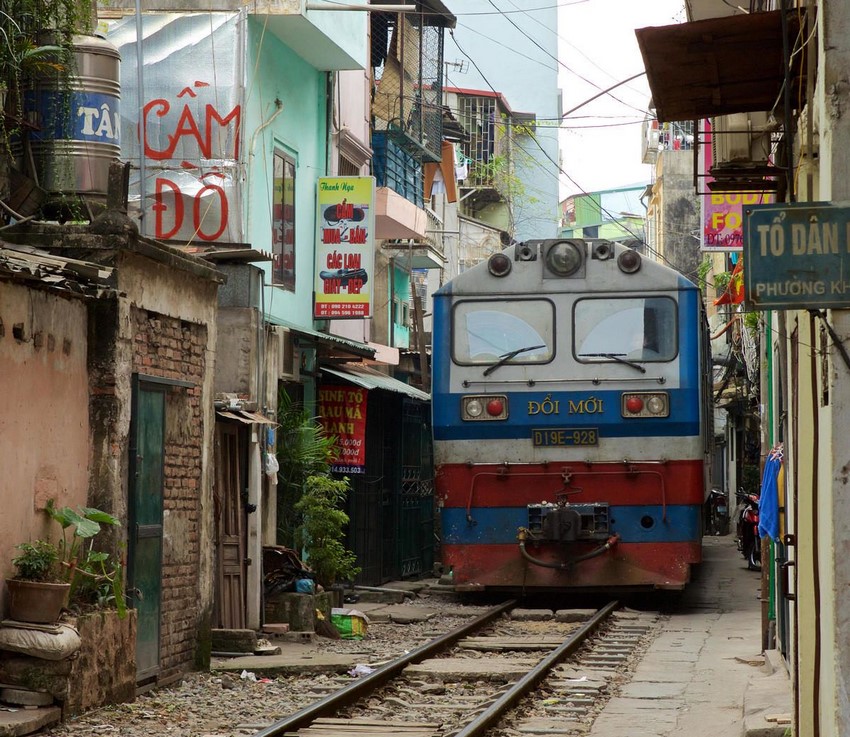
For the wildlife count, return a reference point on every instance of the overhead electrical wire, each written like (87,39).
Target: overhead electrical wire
(564,40)
(562,64)
(555,163)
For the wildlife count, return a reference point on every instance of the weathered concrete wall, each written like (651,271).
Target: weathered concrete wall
(238,350)
(101,672)
(819,410)
(104,672)
(680,214)
(169,324)
(44,424)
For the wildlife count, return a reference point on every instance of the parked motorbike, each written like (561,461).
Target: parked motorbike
(747,523)
(717,513)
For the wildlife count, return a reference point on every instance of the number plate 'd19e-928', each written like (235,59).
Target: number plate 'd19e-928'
(565,436)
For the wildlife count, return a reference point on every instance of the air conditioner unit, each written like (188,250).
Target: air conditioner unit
(288,356)
(740,138)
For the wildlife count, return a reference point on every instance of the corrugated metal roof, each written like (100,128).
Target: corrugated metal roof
(248,418)
(351,346)
(369,378)
(82,279)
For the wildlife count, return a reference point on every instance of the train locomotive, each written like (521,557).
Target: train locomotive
(571,420)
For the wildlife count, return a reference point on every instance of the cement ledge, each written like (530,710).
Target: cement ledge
(769,701)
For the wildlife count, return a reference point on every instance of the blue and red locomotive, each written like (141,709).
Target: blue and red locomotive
(571,419)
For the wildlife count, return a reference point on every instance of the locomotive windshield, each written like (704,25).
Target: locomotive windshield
(487,330)
(631,328)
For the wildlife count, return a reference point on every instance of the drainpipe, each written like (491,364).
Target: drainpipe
(140,85)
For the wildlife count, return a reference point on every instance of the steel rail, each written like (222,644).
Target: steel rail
(530,680)
(377,678)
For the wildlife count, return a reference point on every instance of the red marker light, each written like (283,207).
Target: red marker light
(634,404)
(495,407)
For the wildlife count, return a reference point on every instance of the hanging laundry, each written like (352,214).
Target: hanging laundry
(769,499)
(461,165)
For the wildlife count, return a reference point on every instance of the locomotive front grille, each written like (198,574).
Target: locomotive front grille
(568,522)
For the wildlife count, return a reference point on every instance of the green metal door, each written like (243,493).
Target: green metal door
(145,534)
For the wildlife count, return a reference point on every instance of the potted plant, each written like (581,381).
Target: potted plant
(37,593)
(322,531)
(96,577)
(50,575)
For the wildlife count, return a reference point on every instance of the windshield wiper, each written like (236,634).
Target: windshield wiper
(614,357)
(505,357)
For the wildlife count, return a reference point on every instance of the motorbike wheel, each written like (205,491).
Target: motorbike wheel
(754,556)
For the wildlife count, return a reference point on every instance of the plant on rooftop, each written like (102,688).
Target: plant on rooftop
(36,41)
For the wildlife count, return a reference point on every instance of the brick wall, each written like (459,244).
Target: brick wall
(171,348)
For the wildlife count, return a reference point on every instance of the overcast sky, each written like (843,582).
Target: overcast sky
(601,142)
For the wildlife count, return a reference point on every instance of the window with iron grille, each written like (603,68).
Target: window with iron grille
(481,118)
(283,222)
(407,88)
(348,168)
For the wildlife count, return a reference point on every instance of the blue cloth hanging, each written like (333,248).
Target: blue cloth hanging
(769,498)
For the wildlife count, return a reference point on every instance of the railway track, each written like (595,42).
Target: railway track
(493,675)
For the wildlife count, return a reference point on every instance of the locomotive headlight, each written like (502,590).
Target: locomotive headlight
(564,258)
(499,264)
(629,261)
(473,408)
(645,404)
(657,405)
(484,407)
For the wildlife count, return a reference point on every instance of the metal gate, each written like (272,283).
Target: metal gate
(391,506)
(415,482)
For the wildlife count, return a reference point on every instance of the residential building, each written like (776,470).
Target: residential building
(776,129)
(614,214)
(512,56)
(121,348)
(239,159)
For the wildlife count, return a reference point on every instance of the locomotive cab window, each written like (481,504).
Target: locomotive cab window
(626,328)
(518,331)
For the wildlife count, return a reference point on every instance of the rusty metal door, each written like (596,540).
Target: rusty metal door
(231,541)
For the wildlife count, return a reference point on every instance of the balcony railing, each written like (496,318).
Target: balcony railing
(396,168)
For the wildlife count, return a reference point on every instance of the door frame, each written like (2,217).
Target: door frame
(139,383)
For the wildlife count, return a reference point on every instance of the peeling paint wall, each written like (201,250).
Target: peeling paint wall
(44,423)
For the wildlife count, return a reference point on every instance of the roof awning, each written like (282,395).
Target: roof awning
(335,341)
(718,66)
(369,378)
(248,418)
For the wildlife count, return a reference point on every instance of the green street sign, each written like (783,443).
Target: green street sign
(796,256)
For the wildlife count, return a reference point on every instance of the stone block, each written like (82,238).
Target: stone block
(26,671)
(233,641)
(574,615)
(25,697)
(299,637)
(273,629)
(532,615)
(109,648)
(298,610)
